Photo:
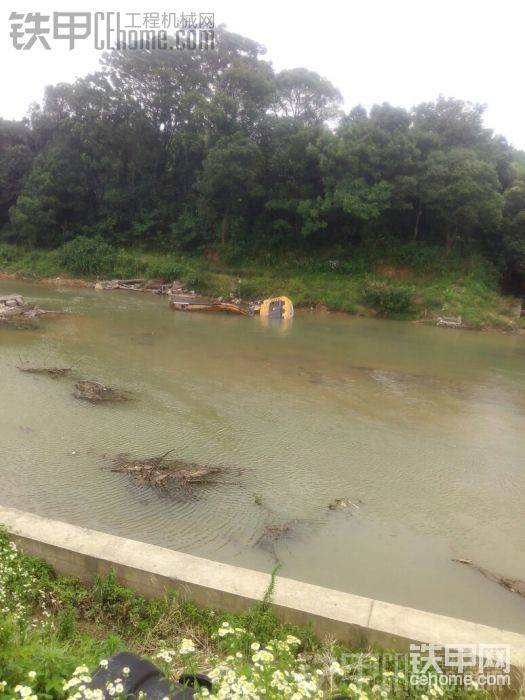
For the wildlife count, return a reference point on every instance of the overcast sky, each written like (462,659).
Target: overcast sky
(400,51)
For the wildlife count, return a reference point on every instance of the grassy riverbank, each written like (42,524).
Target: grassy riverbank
(409,282)
(53,631)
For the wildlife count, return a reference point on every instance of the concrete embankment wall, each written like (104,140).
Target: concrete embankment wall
(151,571)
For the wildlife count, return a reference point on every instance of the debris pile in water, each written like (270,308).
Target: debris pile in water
(85,389)
(449,321)
(342,504)
(155,286)
(161,472)
(13,307)
(272,533)
(95,392)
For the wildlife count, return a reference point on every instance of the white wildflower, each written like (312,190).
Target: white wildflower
(187,647)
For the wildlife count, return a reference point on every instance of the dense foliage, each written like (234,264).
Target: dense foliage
(182,150)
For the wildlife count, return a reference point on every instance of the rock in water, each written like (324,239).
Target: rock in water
(13,306)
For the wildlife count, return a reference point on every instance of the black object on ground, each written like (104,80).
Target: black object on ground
(144,677)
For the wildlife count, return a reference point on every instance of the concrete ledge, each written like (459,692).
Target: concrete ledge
(152,571)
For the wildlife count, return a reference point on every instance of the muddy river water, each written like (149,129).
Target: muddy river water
(423,428)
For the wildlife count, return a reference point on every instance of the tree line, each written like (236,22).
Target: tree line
(185,150)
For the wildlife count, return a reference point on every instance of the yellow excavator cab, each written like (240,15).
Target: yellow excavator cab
(276,307)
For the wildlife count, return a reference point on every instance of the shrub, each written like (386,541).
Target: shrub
(88,256)
(8,253)
(128,264)
(168,268)
(253,289)
(388,299)
(204,283)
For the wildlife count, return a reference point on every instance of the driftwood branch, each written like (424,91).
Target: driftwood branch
(513,585)
(53,372)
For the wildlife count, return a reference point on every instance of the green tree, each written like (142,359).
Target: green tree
(461,192)
(514,233)
(370,169)
(291,177)
(16,157)
(449,123)
(229,179)
(304,95)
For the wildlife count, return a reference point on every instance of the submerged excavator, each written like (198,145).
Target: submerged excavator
(274,307)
